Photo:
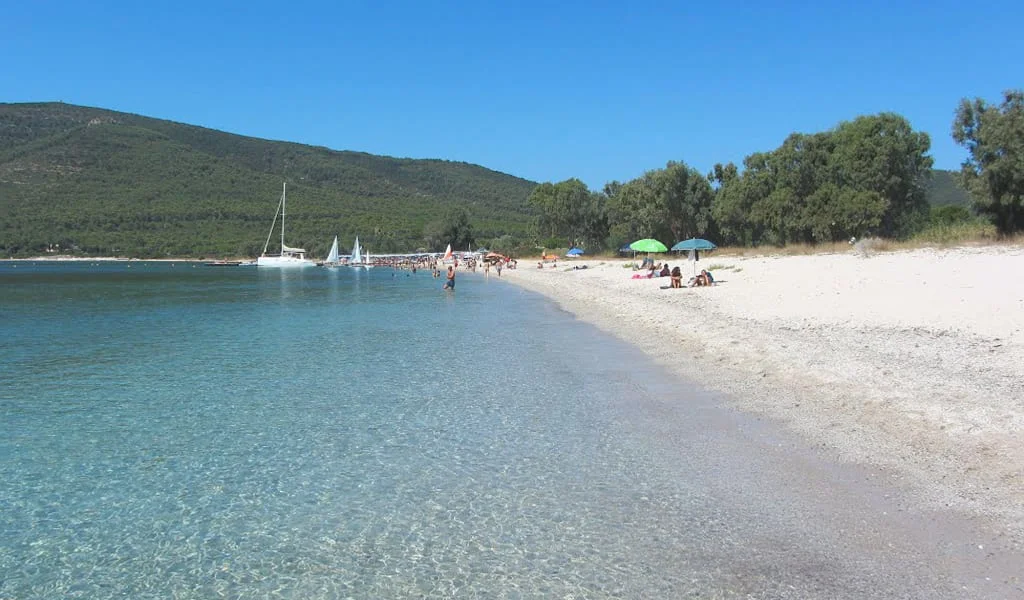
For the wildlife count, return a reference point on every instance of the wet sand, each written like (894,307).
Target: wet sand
(909,365)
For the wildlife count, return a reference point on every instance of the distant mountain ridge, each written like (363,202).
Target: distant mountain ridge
(944,190)
(107,182)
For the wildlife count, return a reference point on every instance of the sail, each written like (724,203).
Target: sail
(290,249)
(357,256)
(332,256)
(448,252)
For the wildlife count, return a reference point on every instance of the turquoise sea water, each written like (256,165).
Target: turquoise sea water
(196,431)
(178,431)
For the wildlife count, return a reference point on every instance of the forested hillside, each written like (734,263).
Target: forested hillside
(943,190)
(100,182)
(79,180)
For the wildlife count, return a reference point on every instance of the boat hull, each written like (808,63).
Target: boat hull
(283,262)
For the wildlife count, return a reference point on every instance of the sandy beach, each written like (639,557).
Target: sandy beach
(911,362)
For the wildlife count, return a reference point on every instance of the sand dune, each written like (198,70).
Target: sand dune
(909,361)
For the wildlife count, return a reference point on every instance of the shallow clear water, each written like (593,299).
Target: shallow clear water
(170,430)
(179,430)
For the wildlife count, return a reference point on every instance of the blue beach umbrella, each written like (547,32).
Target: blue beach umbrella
(574,252)
(694,244)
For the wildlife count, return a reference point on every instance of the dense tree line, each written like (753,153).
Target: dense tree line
(867,177)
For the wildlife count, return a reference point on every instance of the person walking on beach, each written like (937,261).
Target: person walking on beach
(498,267)
(450,283)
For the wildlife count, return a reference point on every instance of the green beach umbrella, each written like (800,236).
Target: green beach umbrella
(648,245)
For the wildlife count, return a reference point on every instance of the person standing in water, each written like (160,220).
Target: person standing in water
(450,283)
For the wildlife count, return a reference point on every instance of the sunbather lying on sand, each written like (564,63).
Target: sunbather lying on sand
(702,279)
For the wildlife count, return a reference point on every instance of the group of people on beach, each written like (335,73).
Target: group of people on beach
(470,265)
(440,267)
(704,278)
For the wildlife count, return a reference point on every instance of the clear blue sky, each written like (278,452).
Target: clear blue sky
(544,90)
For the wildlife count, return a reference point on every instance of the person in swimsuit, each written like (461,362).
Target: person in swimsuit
(450,283)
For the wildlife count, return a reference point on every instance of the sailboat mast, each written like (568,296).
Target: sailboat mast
(270,234)
(284,195)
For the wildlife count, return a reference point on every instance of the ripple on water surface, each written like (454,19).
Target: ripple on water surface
(243,433)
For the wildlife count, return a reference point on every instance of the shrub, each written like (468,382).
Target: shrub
(948,215)
(957,233)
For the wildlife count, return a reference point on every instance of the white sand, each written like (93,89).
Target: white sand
(912,362)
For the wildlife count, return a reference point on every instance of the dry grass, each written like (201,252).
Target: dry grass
(963,235)
(968,235)
(787,250)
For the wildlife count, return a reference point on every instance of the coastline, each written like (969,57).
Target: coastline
(909,362)
(99,259)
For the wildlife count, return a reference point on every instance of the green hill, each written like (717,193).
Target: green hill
(943,190)
(105,182)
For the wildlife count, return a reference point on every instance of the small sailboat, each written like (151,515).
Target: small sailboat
(332,256)
(447,258)
(357,257)
(289,257)
(357,260)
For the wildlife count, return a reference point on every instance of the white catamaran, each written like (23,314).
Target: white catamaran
(358,260)
(332,259)
(289,257)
